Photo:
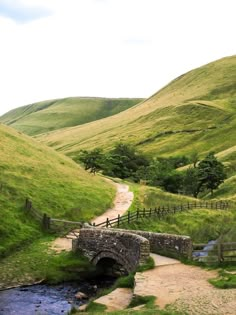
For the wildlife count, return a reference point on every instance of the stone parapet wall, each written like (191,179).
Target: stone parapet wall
(167,244)
(128,249)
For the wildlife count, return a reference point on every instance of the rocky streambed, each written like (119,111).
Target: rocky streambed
(45,299)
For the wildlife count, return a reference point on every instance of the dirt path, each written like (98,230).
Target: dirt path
(186,288)
(118,299)
(121,203)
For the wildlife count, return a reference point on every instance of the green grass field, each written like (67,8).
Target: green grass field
(60,113)
(195,112)
(55,184)
(201,225)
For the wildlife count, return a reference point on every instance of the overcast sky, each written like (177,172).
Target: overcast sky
(110,48)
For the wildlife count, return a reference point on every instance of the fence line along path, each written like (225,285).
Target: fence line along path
(121,204)
(159,212)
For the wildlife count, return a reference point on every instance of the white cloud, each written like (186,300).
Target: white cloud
(21,11)
(113,48)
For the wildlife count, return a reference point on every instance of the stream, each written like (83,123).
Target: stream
(208,248)
(42,299)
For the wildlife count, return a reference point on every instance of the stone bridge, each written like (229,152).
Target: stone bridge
(126,249)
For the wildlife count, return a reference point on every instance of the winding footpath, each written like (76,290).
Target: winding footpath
(180,287)
(121,204)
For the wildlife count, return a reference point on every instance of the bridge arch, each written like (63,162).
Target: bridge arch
(127,249)
(106,255)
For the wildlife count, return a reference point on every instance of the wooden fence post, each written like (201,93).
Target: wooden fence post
(190,251)
(28,204)
(107,222)
(155,210)
(219,251)
(46,222)
(159,212)
(118,220)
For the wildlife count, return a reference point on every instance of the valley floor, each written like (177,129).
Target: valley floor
(176,286)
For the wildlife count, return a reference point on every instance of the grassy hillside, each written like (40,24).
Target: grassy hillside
(59,113)
(196,111)
(54,183)
(201,225)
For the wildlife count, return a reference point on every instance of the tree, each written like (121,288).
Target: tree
(173,182)
(158,171)
(190,182)
(92,160)
(194,158)
(210,173)
(125,161)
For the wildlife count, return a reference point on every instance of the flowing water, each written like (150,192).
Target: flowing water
(44,299)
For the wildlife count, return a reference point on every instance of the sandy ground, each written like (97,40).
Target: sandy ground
(121,203)
(186,288)
(118,299)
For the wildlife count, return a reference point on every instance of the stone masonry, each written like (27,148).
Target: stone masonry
(171,245)
(129,248)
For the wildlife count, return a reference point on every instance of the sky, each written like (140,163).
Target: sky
(106,48)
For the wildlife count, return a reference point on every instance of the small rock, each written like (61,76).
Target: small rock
(81,295)
(82,307)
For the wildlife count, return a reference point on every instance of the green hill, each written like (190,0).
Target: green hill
(196,112)
(55,184)
(59,113)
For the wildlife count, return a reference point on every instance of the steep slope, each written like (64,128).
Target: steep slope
(59,113)
(196,111)
(54,183)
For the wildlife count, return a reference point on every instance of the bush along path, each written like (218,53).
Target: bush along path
(122,202)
